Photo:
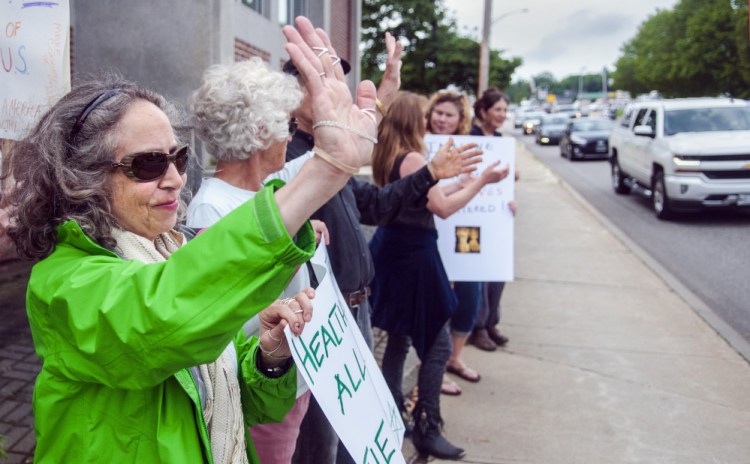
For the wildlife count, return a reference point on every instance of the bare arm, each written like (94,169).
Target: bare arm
(443,205)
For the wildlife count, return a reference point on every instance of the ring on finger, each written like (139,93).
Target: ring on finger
(286,301)
(370,112)
(321,50)
(336,60)
(298,311)
(322,74)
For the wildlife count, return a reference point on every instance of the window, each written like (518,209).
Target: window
(256,5)
(290,9)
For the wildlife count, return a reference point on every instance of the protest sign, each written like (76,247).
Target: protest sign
(344,377)
(476,242)
(34,62)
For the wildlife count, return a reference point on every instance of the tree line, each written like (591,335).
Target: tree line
(697,48)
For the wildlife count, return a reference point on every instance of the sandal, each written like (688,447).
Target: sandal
(449,387)
(464,372)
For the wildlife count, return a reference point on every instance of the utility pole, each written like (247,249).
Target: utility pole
(484,49)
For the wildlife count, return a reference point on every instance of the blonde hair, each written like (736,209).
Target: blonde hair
(462,105)
(401,131)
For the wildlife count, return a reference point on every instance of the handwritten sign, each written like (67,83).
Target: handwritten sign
(344,377)
(476,242)
(34,61)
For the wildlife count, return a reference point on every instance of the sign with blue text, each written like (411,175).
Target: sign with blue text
(34,62)
(338,366)
(476,242)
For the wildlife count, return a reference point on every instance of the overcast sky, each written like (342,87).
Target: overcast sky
(559,36)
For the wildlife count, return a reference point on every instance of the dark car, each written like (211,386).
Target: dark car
(551,129)
(586,138)
(530,120)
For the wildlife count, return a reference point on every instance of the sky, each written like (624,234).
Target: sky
(564,37)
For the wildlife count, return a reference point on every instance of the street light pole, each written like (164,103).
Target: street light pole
(484,49)
(484,46)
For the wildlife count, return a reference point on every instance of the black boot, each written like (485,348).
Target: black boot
(428,438)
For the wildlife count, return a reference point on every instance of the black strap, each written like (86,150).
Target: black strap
(313,278)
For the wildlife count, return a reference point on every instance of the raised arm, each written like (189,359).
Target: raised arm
(379,205)
(443,205)
(342,130)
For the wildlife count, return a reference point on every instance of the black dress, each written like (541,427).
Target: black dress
(411,294)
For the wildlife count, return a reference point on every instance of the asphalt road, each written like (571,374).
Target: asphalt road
(709,253)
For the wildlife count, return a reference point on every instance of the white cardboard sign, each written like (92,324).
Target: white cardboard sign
(344,377)
(34,61)
(476,242)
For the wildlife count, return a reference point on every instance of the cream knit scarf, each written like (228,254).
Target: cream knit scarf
(222,410)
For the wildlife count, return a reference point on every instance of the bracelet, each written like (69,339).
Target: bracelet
(333,161)
(270,353)
(379,105)
(326,123)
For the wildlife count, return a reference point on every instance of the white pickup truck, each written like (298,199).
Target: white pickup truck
(686,154)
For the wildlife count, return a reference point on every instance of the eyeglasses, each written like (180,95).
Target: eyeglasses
(147,166)
(292,125)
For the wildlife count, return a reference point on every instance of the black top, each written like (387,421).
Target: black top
(411,216)
(476,130)
(360,202)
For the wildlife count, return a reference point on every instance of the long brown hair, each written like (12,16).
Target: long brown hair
(401,131)
(462,105)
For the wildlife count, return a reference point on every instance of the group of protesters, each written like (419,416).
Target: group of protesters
(160,321)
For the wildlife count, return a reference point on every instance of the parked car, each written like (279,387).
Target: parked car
(551,128)
(586,138)
(685,154)
(530,121)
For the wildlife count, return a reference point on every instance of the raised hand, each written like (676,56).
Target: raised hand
(450,162)
(391,81)
(343,130)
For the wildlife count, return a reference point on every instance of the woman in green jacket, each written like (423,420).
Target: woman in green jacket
(138,331)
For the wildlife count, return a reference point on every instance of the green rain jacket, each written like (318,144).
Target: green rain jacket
(116,338)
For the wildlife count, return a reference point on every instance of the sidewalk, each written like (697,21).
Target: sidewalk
(605,364)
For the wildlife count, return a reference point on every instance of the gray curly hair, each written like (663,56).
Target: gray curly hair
(242,108)
(58,166)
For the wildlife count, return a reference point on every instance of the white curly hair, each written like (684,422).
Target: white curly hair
(242,108)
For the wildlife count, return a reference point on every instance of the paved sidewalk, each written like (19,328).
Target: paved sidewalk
(606,363)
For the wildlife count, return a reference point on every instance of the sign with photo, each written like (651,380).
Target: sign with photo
(34,62)
(476,242)
(338,366)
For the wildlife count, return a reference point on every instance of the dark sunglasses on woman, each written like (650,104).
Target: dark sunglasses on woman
(148,166)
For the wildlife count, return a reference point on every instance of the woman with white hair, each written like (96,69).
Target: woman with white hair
(242,114)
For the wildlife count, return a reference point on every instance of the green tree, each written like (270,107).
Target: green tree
(435,55)
(697,48)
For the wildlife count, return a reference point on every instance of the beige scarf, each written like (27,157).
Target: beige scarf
(222,410)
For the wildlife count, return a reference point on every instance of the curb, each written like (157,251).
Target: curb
(724,330)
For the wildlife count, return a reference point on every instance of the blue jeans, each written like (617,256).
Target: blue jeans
(469,296)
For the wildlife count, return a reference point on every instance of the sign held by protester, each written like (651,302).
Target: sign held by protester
(34,62)
(476,242)
(336,363)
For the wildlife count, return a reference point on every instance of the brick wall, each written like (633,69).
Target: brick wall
(244,51)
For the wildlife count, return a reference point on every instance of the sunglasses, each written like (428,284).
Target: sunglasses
(292,125)
(147,166)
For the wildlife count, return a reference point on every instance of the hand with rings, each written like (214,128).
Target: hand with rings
(292,312)
(341,129)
